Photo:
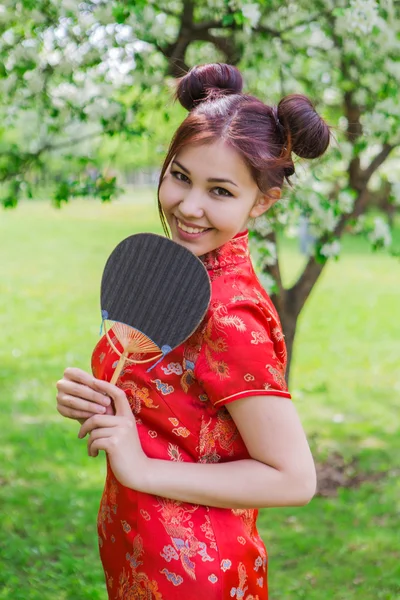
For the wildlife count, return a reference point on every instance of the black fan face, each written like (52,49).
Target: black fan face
(156,286)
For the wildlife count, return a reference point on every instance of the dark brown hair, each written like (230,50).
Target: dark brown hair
(265,136)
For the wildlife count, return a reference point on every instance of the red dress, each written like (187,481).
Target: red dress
(156,548)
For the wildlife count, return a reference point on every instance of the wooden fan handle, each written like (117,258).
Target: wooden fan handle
(119,366)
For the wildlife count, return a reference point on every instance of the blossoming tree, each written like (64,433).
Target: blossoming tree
(66,68)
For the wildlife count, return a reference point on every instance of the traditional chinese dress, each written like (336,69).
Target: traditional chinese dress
(162,549)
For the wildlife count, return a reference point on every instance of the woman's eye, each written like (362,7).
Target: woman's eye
(219,191)
(222,192)
(179,176)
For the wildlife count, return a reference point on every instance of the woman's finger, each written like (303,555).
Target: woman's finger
(78,375)
(100,444)
(73,414)
(121,402)
(97,434)
(78,390)
(100,421)
(77,403)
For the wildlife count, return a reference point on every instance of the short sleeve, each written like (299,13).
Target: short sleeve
(243,353)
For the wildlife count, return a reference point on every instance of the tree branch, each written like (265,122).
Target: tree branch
(297,295)
(378,160)
(31,157)
(274,270)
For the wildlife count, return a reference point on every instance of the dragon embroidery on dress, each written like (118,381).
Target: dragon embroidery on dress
(108,505)
(136,585)
(224,433)
(249,519)
(137,396)
(277,375)
(188,375)
(208,531)
(175,519)
(239,592)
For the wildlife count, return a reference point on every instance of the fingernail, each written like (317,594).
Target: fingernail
(107,401)
(102,409)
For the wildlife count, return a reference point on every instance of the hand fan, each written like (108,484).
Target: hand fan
(154,295)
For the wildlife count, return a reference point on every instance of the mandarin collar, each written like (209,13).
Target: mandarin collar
(233,252)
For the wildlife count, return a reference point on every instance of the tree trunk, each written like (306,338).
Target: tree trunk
(290,302)
(289,324)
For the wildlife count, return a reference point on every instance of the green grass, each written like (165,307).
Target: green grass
(346,363)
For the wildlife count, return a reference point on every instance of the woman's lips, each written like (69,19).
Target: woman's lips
(187,235)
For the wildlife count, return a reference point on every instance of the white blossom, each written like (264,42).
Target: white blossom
(252,13)
(102,108)
(395,192)
(359,18)
(381,233)
(346,201)
(262,226)
(35,81)
(269,255)
(359,225)
(331,250)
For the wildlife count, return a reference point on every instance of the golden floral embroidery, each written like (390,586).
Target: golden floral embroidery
(217,322)
(173,453)
(223,433)
(277,333)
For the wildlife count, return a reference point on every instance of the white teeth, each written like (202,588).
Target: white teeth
(189,229)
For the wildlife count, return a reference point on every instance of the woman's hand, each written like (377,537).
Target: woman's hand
(117,435)
(78,398)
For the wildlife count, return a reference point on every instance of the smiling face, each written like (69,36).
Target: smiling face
(208,195)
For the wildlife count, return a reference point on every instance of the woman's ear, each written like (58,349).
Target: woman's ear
(265,201)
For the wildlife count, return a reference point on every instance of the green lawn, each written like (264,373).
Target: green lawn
(345,381)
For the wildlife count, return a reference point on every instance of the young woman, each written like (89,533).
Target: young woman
(210,435)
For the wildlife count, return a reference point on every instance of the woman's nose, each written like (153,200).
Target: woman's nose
(191,205)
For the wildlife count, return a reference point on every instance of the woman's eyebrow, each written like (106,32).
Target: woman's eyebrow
(211,179)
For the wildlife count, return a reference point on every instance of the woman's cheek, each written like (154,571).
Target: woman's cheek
(169,194)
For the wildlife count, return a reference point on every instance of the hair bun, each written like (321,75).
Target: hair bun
(208,81)
(308,133)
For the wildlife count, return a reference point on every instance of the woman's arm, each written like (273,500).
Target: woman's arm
(281,471)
